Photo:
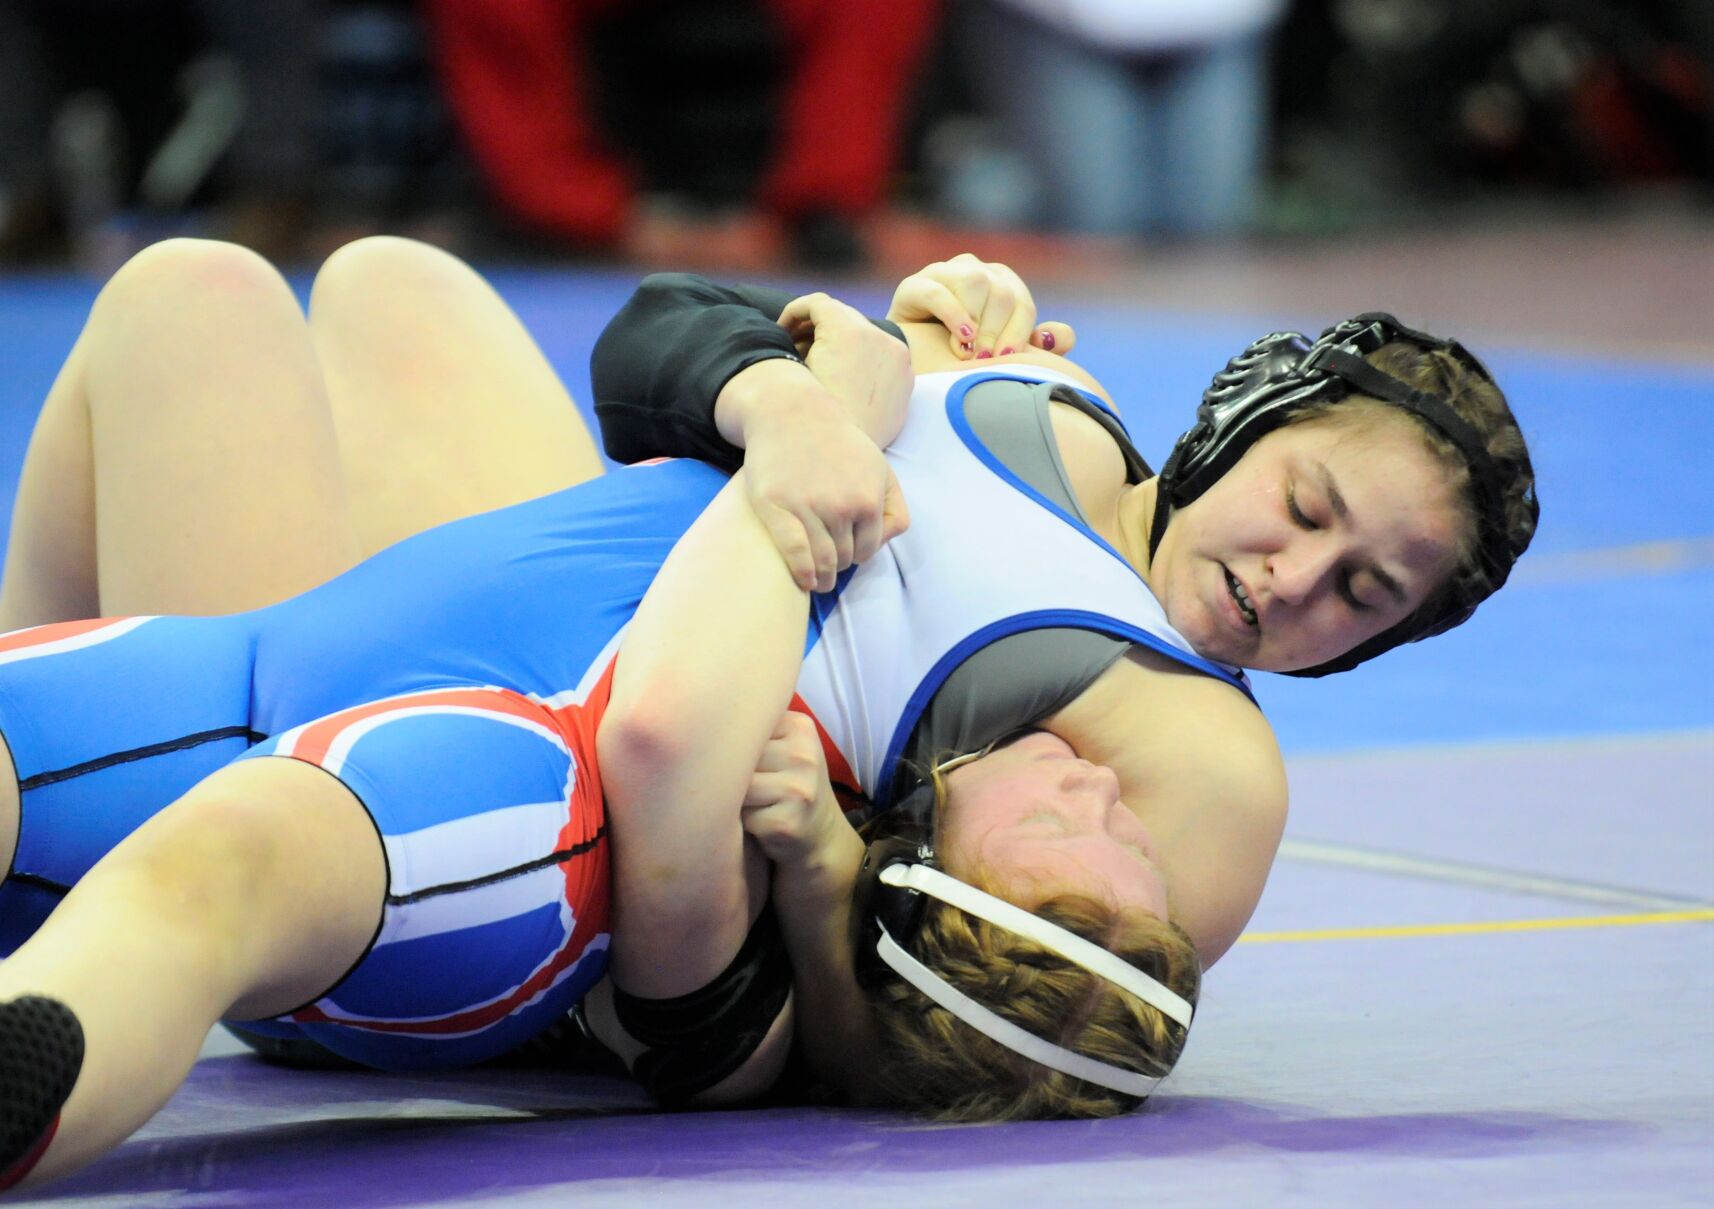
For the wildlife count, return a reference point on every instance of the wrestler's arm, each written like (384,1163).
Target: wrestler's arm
(1226,784)
(662,365)
(815,855)
(689,368)
(661,368)
(705,670)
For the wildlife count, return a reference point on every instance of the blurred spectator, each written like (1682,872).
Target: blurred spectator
(28,98)
(260,122)
(1391,105)
(385,139)
(87,91)
(1125,117)
(268,171)
(519,75)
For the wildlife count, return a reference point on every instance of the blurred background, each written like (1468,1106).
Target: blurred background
(1221,154)
(1174,177)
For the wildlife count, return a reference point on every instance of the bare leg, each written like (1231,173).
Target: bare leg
(9,806)
(252,894)
(50,557)
(444,404)
(185,460)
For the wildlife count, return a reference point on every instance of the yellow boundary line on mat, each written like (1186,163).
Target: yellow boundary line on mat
(1469,929)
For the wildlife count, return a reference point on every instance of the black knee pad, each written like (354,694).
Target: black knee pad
(41,1054)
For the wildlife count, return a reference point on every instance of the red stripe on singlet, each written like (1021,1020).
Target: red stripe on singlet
(57,632)
(314,742)
(838,767)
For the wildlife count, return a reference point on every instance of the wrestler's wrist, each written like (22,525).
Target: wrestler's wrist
(771,397)
(823,869)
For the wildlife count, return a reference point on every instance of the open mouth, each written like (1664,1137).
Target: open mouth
(1240,597)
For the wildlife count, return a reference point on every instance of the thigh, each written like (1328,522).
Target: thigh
(496,914)
(444,404)
(218,485)
(188,421)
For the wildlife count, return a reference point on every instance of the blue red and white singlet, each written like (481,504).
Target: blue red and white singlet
(453,682)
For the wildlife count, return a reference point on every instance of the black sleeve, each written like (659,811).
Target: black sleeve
(696,1040)
(661,362)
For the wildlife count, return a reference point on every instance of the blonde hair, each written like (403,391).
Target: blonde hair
(940,1066)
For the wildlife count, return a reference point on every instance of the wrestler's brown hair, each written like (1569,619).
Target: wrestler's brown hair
(938,1065)
(1479,403)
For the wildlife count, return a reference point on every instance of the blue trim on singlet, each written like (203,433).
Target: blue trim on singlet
(1073,619)
(1095,400)
(961,425)
(822,605)
(1008,376)
(1061,619)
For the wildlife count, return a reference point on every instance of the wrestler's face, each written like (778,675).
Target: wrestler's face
(1033,821)
(1323,535)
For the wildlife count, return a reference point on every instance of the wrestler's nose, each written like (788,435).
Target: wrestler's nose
(1096,782)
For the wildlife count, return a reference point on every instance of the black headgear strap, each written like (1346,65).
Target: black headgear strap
(876,905)
(1281,374)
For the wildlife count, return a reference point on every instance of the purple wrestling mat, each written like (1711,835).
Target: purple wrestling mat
(1400,1027)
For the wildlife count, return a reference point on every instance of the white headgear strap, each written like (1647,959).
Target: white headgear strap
(1075,949)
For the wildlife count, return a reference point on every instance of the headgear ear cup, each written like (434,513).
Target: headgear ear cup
(876,905)
(1281,374)
(1256,393)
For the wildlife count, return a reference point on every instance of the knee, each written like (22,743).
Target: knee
(206,851)
(204,268)
(375,264)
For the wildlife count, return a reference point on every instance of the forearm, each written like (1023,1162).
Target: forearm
(780,395)
(812,900)
(708,665)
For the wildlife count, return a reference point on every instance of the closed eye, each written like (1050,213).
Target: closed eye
(1298,516)
(1302,520)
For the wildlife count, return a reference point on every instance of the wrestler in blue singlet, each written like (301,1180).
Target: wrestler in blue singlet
(453,682)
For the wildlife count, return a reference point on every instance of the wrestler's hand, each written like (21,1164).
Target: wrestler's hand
(867,370)
(985,307)
(811,436)
(814,858)
(790,809)
(821,487)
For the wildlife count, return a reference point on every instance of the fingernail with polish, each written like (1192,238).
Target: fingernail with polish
(985,353)
(1007,351)
(1047,340)
(966,331)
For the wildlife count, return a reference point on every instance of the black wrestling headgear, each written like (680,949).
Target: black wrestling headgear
(1282,373)
(898,878)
